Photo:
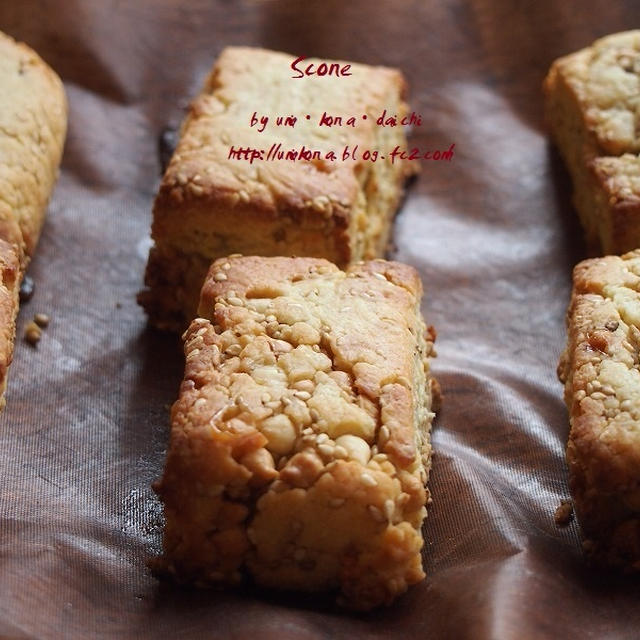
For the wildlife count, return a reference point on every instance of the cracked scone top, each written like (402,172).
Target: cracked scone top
(601,372)
(300,441)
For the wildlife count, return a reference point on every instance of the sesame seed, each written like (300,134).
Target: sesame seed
(376,514)
(32,334)
(368,480)
(326,449)
(402,499)
(41,319)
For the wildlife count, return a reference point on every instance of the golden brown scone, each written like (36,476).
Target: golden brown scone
(600,370)
(9,288)
(593,113)
(33,122)
(299,449)
(210,205)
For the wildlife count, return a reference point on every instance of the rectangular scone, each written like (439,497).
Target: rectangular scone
(600,369)
(300,448)
(211,205)
(593,112)
(33,123)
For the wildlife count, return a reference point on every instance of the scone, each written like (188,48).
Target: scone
(299,448)
(592,107)
(601,372)
(9,288)
(33,126)
(33,122)
(212,203)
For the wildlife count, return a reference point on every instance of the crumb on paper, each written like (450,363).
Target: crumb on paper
(32,333)
(42,320)
(564,513)
(118,305)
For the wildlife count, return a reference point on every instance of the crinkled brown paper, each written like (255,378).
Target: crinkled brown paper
(492,233)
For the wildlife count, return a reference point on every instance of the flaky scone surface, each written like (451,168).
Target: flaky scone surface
(9,287)
(33,124)
(210,205)
(300,441)
(605,81)
(601,372)
(592,107)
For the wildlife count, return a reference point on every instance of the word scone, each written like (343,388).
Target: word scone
(593,112)
(228,189)
(600,369)
(300,441)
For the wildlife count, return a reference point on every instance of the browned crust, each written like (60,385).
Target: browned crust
(299,443)
(602,389)
(615,189)
(9,286)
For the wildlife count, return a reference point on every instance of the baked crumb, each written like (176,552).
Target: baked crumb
(32,333)
(564,513)
(42,320)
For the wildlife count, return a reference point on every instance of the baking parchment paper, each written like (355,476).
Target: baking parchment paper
(492,233)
